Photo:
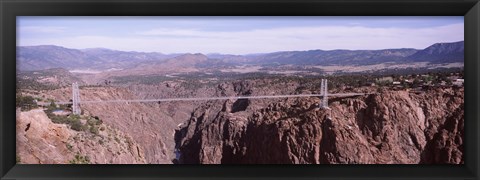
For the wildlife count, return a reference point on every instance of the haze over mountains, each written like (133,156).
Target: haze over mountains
(49,56)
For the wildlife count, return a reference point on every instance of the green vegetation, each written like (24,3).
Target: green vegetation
(18,160)
(73,120)
(94,129)
(408,78)
(69,147)
(94,123)
(79,159)
(34,84)
(52,106)
(75,123)
(141,79)
(359,80)
(26,103)
(35,80)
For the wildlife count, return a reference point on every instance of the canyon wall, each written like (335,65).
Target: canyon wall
(390,127)
(40,141)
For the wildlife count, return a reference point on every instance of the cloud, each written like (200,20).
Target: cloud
(42,29)
(171,32)
(171,40)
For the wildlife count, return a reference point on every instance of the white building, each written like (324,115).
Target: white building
(458,82)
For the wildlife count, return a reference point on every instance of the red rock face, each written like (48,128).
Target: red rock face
(391,127)
(40,141)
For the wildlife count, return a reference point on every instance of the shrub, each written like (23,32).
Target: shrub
(78,159)
(74,117)
(72,120)
(69,147)
(91,121)
(60,119)
(94,121)
(26,103)
(52,105)
(94,129)
(99,122)
(18,159)
(77,125)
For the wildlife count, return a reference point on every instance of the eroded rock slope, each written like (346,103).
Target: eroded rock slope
(40,141)
(390,127)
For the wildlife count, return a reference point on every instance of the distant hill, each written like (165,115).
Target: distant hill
(231,59)
(186,60)
(126,59)
(182,63)
(437,53)
(440,53)
(334,57)
(46,57)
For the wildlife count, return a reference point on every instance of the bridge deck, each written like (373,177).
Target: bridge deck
(212,98)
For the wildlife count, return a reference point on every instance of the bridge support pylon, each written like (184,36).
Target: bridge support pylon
(76,99)
(324,92)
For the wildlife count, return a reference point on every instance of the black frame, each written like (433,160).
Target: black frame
(9,9)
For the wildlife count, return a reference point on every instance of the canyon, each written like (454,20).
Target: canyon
(412,112)
(387,127)
(392,127)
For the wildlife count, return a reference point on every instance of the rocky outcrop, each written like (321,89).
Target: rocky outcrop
(151,125)
(40,141)
(390,127)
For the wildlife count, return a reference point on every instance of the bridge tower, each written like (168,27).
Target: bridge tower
(76,99)
(324,92)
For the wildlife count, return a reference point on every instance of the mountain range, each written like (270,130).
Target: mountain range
(49,56)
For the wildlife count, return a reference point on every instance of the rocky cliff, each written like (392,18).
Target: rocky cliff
(148,124)
(390,127)
(40,141)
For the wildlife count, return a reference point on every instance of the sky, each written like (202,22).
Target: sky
(238,35)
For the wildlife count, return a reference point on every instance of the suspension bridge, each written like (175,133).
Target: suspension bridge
(323,93)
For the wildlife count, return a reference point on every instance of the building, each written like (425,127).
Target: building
(458,82)
(385,79)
